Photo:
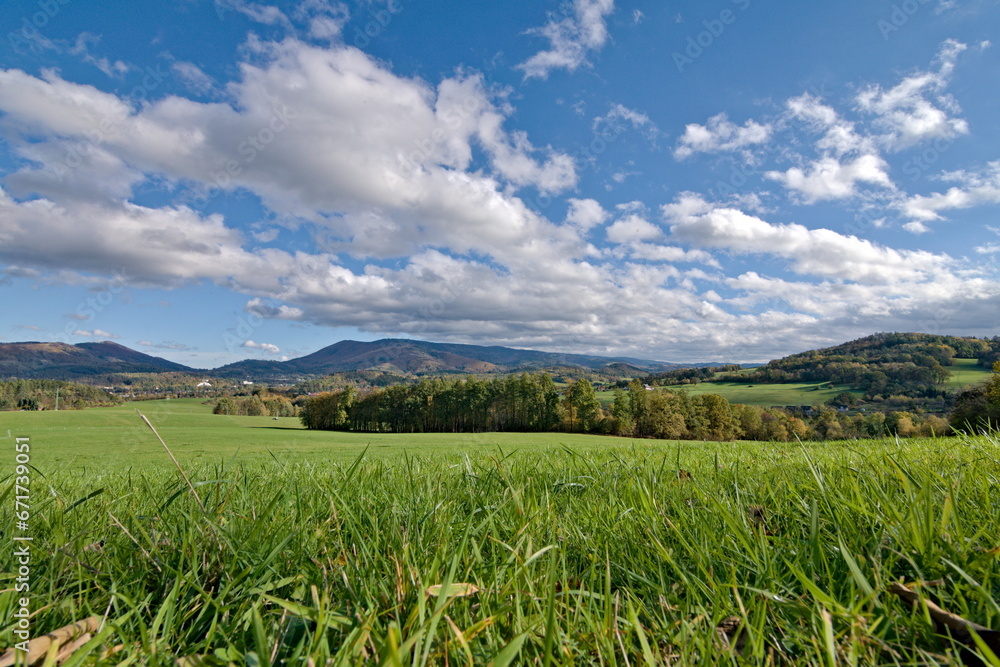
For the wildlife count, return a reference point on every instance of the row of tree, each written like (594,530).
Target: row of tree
(258,405)
(44,394)
(532,402)
(529,402)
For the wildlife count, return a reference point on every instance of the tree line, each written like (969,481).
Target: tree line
(533,403)
(258,405)
(881,365)
(42,394)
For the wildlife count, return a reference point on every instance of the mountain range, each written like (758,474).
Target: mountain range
(76,362)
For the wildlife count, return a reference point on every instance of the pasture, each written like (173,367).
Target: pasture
(965,372)
(763,395)
(299,547)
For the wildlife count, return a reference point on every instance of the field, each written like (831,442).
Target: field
(113,437)
(965,372)
(764,395)
(320,548)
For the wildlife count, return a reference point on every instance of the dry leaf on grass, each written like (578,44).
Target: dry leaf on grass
(72,635)
(453,590)
(954,626)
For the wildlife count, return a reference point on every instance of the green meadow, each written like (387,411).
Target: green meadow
(280,546)
(965,372)
(764,395)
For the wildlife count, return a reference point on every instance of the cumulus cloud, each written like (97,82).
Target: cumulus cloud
(847,159)
(633,228)
(974,189)
(96,333)
(839,135)
(350,140)
(917,108)
(720,134)
(263,347)
(324,19)
(419,183)
(571,37)
(829,178)
(586,213)
(815,252)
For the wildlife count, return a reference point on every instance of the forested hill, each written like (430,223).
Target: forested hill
(50,394)
(884,364)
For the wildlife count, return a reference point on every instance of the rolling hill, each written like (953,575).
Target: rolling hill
(417,357)
(62,361)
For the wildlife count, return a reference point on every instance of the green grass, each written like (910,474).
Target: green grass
(597,552)
(965,372)
(111,437)
(764,395)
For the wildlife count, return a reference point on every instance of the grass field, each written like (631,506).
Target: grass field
(764,395)
(477,550)
(965,372)
(104,437)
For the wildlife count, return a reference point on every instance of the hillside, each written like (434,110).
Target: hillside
(62,361)
(409,357)
(881,365)
(391,356)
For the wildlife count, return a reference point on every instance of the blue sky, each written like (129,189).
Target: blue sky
(686,181)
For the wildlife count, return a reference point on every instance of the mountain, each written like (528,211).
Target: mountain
(391,355)
(61,361)
(412,356)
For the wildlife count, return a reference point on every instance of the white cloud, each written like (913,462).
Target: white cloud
(720,134)
(667,253)
(272,311)
(418,181)
(151,246)
(586,213)
(325,19)
(571,38)
(815,252)
(916,227)
(839,136)
(351,140)
(81,48)
(975,189)
(265,14)
(264,347)
(917,109)
(829,178)
(193,77)
(618,115)
(96,333)
(631,229)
